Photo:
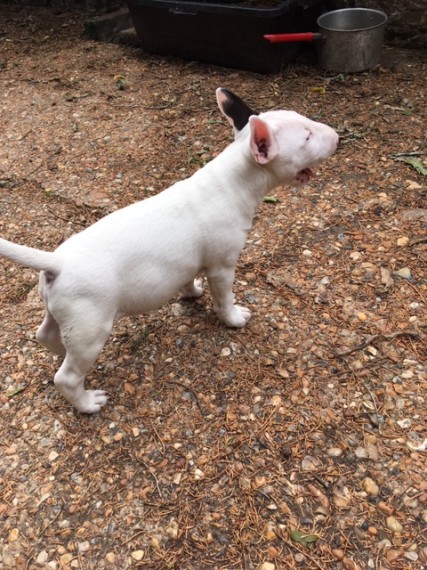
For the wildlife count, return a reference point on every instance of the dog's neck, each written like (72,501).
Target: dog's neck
(236,174)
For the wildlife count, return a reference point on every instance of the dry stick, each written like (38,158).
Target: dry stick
(420,240)
(373,338)
(138,533)
(190,390)
(29,559)
(50,522)
(156,481)
(416,290)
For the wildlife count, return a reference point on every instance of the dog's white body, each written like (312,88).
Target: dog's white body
(135,259)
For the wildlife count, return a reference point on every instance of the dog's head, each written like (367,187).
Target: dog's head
(286,143)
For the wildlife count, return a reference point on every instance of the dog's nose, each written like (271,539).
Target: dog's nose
(337,141)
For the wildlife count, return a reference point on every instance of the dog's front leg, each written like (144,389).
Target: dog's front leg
(221,281)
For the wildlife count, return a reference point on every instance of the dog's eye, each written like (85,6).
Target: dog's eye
(308,136)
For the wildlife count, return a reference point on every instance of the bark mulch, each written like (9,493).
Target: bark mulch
(298,442)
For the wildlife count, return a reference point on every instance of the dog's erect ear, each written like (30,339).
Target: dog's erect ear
(263,143)
(235,109)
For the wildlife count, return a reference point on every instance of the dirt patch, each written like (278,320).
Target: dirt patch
(298,442)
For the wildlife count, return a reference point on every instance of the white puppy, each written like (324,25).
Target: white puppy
(135,259)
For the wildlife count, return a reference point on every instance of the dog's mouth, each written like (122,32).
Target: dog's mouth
(304,175)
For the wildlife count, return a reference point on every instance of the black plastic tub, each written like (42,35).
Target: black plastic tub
(227,34)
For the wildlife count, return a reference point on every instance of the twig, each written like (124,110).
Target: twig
(373,338)
(50,522)
(178,383)
(29,559)
(138,533)
(420,240)
(156,481)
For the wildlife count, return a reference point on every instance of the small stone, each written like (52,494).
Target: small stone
(137,555)
(52,456)
(226,351)
(386,278)
(273,552)
(349,564)
(355,255)
(310,463)
(404,273)
(338,553)
(372,451)
(411,555)
(65,559)
(361,453)
(362,316)
(342,496)
(110,557)
(422,553)
(393,554)
(371,487)
(416,214)
(307,253)
(198,474)
(402,241)
(385,507)
(83,546)
(420,445)
(172,529)
(42,557)
(276,400)
(177,478)
(267,566)
(334,452)
(13,535)
(404,424)
(269,531)
(384,543)
(393,524)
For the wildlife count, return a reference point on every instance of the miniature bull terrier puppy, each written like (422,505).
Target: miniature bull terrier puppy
(135,259)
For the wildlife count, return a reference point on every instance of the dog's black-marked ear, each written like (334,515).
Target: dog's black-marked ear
(263,143)
(235,109)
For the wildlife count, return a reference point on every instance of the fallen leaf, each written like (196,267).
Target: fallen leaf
(414,162)
(302,537)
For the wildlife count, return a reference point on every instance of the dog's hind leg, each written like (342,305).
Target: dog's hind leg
(221,281)
(191,290)
(83,343)
(49,335)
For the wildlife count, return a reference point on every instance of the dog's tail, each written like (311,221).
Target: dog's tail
(29,256)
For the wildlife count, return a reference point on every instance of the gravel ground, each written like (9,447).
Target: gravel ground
(298,442)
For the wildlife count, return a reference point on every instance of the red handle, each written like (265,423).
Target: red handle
(302,37)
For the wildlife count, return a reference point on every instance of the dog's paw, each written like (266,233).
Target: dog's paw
(192,290)
(237,318)
(92,401)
